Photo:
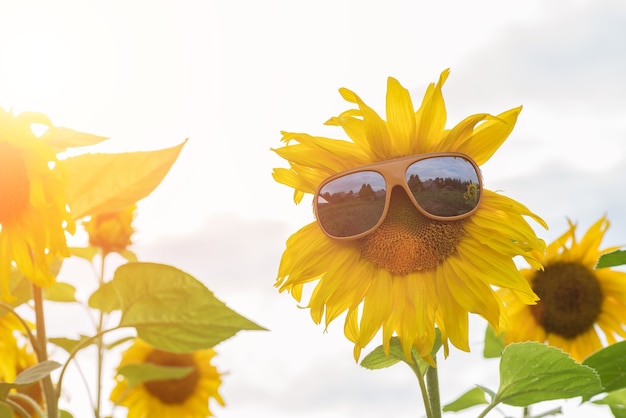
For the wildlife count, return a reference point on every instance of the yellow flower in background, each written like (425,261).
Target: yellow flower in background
(187,397)
(33,214)
(111,231)
(15,357)
(411,273)
(576,300)
(9,351)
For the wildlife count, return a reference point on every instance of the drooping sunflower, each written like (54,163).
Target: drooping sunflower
(33,208)
(111,231)
(412,273)
(576,299)
(187,397)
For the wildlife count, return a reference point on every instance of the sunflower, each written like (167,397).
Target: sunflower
(15,357)
(33,214)
(111,231)
(187,397)
(412,273)
(577,300)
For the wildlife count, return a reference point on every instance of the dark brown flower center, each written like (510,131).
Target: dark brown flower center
(173,391)
(570,299)
(407,241)
(14,183)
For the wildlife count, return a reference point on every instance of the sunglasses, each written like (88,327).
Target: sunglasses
(444,186)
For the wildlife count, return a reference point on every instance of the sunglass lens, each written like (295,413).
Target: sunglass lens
(444,186)
(351,204)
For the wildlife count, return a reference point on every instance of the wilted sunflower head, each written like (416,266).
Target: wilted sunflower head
(33,207)
(576,299)
(412,272)
(186,397)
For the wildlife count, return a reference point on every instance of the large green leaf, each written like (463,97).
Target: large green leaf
(616,258)
(144,372)
(99,183)
(172,310)
(531,372)
(470,398)
(610,364)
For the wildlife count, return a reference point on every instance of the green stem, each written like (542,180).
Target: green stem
(487,409)
(100,345)
(82,344)
(42,353)
(432,385)
(420,379)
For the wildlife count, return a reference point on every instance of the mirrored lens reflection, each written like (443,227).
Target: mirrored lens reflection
(351,204)
(444,186)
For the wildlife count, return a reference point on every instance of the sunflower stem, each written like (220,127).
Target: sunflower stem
(42,353)
(432,386)
(100,344)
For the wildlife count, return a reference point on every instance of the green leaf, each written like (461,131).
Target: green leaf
(60,292)
(139,373)
(29,376)
(119,342)
(128,255)
(67,344)
(470,398)
(86,253)
(60,138)
(65,414)
(616,401)
(172,310)
(99,183)
(5,410)
(616,258)
(35,373)
(105,298)
(531,372)
(610,364)
(494,344)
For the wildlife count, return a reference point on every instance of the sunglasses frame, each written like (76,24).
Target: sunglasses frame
(394,173)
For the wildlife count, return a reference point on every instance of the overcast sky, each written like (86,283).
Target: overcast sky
(231,75)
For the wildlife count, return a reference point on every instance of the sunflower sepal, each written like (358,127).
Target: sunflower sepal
(379,358)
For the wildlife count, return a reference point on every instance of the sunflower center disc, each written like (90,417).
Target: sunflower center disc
(173,391)
(570,299)
(14,184)
(407,241)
